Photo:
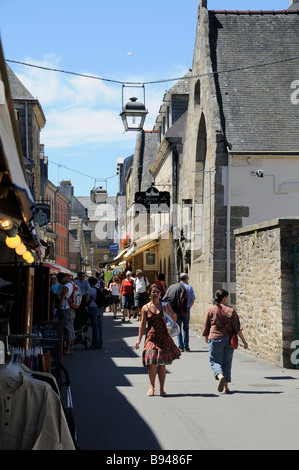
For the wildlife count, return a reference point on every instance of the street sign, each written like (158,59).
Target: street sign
(42,215)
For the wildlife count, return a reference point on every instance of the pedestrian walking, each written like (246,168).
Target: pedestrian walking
(100,278)
(82,311)
(141,287)
(67,313)
(95,314)
(114,290)
(176,296)
(183,321)
(54,285)
(127,296)
(220,320)
(159,349)
(160,281)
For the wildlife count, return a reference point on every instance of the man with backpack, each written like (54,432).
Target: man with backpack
(67,312)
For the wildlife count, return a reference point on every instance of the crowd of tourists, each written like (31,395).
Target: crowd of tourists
(163,312)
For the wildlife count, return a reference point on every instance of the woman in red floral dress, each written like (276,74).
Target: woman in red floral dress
(159,348)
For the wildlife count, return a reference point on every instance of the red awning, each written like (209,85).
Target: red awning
(53,268)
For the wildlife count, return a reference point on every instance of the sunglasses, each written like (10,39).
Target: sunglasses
(155,292)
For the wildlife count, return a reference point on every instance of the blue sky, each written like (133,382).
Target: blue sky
(131,40)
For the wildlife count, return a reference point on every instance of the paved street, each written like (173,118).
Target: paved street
(113,412)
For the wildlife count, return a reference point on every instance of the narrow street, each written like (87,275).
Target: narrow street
(113,412)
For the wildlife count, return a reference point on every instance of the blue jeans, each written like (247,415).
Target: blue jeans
(183,322)
(96,316)
(221,357)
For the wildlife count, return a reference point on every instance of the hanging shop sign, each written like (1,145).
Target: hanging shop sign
(42,215)
(150,260)
(153,200)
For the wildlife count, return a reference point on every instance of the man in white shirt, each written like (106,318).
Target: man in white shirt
(68,313)
(141,295)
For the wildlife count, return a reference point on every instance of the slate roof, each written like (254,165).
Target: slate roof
(256,108)
(17,89)
(182,86)
(127,165)
(93,207)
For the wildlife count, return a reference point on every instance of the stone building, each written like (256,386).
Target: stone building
(170,125)
(79,232)
(30,121)
(102,221)
(138,221)
(241,144)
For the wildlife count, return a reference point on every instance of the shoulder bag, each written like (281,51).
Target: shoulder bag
(233,336)
(172,327)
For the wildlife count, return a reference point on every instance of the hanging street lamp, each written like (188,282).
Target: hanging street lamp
(133,113)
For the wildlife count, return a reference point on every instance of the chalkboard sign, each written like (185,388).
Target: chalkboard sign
(52,340)
(13,281)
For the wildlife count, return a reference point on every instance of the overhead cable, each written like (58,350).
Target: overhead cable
(215,72)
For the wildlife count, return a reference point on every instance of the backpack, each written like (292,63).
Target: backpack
(76,297)
(103,298)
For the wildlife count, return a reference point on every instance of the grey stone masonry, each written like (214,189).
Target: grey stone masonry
(265,288)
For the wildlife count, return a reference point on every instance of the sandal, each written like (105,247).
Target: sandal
(221,384)
(151,393)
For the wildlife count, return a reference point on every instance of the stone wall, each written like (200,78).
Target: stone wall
(265,298)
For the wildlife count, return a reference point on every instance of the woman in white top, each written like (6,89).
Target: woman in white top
(114,290)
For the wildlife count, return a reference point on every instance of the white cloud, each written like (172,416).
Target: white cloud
(82,111)
(81,126)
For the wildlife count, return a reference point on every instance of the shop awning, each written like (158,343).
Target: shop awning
(57,268)
(119,257)
(53,268)
(140,246)
(149,241)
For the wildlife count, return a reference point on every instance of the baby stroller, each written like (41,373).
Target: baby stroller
(81,326)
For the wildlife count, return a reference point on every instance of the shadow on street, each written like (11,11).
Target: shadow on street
(104,418)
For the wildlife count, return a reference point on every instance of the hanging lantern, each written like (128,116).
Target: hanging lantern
(21,249)
(13,242)
(27,255)
(133,113)
(6,223)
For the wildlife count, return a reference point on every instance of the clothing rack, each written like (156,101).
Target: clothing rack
(27,349)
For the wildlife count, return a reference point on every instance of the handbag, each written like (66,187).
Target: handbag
(234,342)
(172,327)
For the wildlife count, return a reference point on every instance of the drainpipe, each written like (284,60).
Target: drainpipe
(175,157)
(228,280)
(26,129)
